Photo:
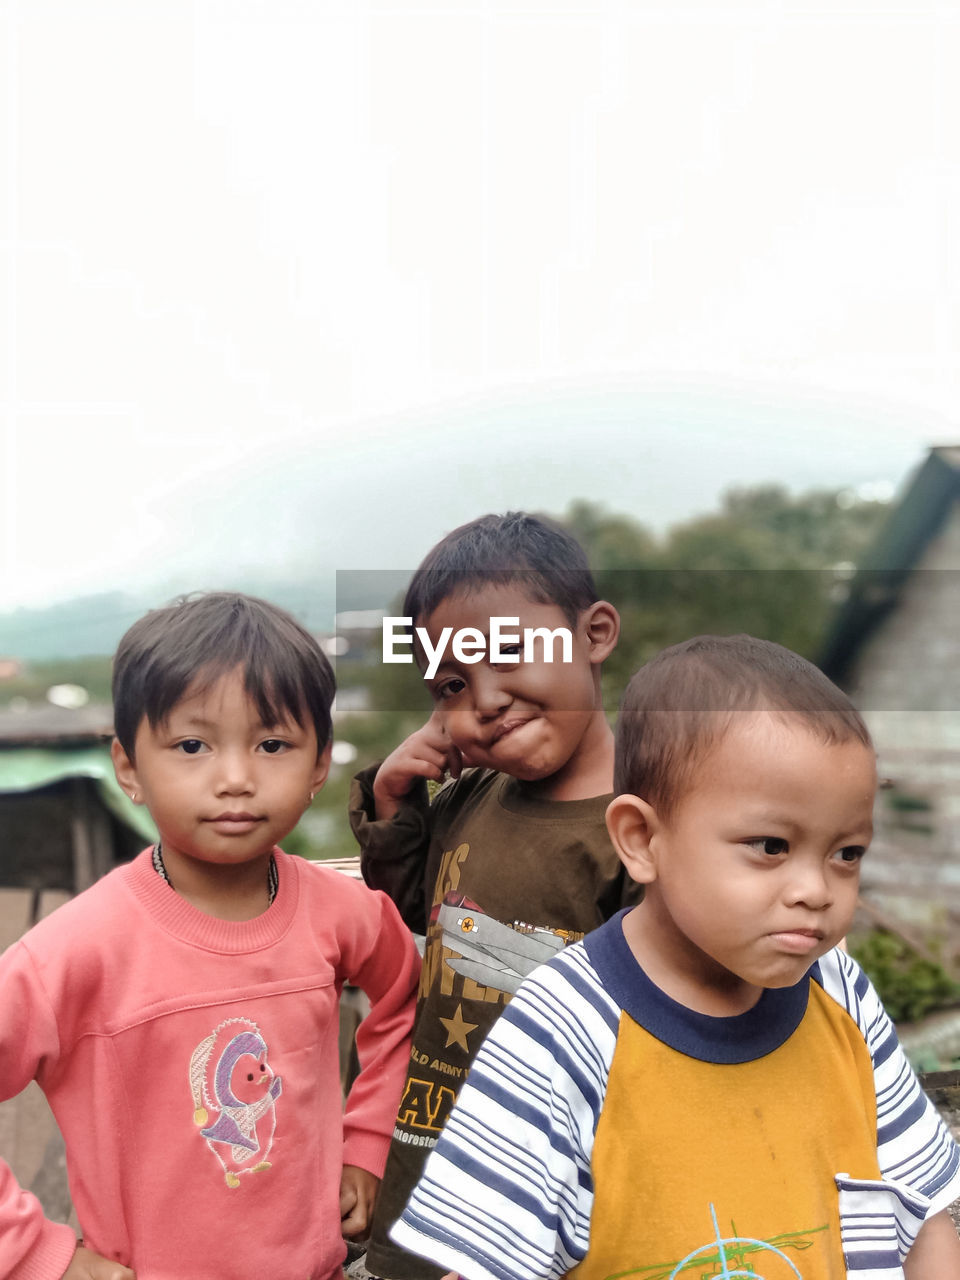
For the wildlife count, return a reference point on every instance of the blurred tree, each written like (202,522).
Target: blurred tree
(611,541)
(767,527)
(768,562)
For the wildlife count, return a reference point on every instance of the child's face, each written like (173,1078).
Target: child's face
(222,786)
(528,719)
(755,874)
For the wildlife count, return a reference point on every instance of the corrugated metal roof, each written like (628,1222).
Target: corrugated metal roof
(875,588)
(49,726)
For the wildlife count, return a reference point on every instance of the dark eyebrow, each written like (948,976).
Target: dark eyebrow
(198,722)
(447,667)
(770,817)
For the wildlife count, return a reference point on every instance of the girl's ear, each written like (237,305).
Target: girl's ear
(319,775)
(632,824)
(601,626)
(125,770)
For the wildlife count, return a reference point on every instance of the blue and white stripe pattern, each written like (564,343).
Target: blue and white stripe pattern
(879,1221)
(508,1191)
(507,1194)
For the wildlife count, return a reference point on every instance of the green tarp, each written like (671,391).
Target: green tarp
(29,768)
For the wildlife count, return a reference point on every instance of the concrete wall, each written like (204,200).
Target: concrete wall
(906,681)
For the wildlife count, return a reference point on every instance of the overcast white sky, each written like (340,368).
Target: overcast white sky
(301,283)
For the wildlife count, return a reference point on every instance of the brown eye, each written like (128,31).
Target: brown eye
(450,689)
(773,846)
(851,854)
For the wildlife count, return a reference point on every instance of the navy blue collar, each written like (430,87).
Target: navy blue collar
(743,1038)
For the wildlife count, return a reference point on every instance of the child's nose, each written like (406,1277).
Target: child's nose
(234,776)
(810,886)
(490,698)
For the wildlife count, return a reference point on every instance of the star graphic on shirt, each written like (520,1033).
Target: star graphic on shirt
(458,1029)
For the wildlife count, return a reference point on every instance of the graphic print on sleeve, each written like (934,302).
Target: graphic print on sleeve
(485,961)
(492,953)
(234,1093)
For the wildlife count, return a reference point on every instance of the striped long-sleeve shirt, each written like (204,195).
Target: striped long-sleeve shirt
(606,1128)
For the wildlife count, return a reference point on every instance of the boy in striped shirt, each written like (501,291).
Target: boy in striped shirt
(706,1086)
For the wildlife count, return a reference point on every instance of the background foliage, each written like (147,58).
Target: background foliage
(909,985)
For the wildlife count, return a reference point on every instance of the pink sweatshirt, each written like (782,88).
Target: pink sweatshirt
(192,1066)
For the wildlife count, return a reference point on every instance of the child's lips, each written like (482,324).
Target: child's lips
(234,823)
(798,941)
(506,727)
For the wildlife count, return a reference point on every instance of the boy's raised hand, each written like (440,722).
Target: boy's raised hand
(358,1193)
(428,753)
(87,1265)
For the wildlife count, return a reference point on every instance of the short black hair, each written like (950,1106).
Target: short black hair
(680,704)
(202,637)
(516,548)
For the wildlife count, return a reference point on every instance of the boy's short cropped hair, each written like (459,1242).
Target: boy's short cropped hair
(515,548)
(198,638)
(677,707)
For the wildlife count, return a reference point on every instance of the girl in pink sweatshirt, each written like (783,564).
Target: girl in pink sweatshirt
(181,1016)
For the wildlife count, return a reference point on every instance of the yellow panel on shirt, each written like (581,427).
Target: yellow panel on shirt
(708,1169)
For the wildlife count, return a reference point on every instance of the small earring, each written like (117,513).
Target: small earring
(312,794)
(133,797)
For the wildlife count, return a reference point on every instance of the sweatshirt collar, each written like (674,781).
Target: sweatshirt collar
(181,919)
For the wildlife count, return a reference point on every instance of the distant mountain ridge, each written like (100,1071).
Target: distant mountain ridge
(89,626)
(82,627)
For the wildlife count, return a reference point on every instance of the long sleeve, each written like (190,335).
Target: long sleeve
(386,966)
(393,852)
(31,1246)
